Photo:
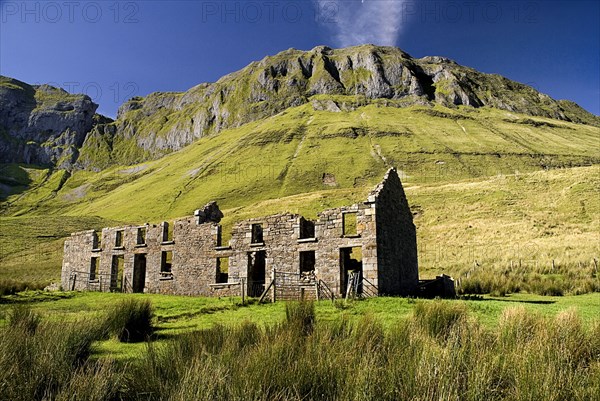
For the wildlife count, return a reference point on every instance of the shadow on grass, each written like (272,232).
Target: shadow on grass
(121,355)
(207,310)
(519,301)
(161,335)
(14,179)
(35,297)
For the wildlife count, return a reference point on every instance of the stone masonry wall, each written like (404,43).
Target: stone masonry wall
(383,230)
(329,231)
(194,261)
(77,258)
(396,238)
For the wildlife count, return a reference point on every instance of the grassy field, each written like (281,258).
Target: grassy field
(56,346)
(177,314)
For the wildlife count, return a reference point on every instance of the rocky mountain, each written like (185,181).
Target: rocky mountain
(42,124)
(50,129)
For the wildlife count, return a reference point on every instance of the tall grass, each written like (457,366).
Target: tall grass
(560,279)
(300,316)
(130,320)
(23,318)
(439,319)
(44,360)
(438,353)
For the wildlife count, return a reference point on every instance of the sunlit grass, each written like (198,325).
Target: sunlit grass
(427,350)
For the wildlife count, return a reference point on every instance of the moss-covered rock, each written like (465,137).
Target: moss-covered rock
(42,124)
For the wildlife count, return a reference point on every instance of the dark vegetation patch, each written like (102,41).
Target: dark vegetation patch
(536,123)
(131,320)
(346,132)
(205,310)
(379,134)
(443,114)
(11,287)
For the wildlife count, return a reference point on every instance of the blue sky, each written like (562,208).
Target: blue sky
(112,50)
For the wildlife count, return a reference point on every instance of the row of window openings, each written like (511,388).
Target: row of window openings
(307,230)
(141,237)
(307,264)
(166,263)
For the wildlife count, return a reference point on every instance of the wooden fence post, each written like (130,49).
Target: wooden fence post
(242,281)
(274,285)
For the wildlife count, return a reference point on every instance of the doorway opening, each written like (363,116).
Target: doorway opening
(139,272)
(256,273)
(116,273)
(350,262)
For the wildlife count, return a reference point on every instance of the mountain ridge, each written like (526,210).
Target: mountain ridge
(163,122)
(41,124)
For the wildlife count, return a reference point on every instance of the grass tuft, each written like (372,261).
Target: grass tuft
(440,318)
(300,316)
(131,320)
(22,317)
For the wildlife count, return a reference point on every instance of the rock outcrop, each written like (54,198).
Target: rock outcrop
(42,125)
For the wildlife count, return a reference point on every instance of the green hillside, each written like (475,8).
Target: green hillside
(489,188)
(288,154)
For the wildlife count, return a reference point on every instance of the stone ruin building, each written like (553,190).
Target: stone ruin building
(366,249)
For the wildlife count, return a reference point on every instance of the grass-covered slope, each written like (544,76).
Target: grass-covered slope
(288,154)
(490,189)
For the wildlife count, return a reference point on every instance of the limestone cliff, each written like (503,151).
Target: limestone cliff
(42,125)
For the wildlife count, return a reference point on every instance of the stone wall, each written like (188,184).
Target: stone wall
(77,258)
(282,244)
(329,229)
(376,237)
(398,272)
(194,261)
